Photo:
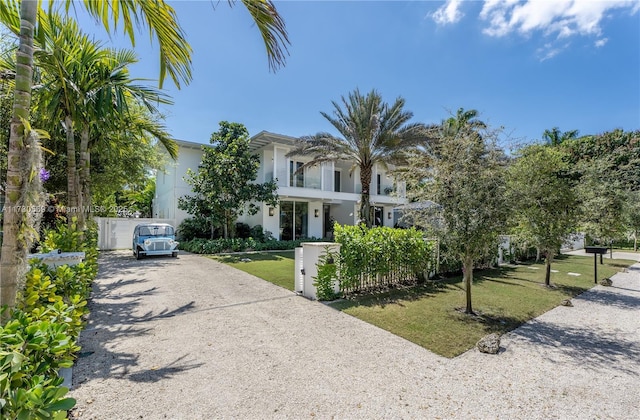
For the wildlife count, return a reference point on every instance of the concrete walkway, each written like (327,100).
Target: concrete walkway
(195,339)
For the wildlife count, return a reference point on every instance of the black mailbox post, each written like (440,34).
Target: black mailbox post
(595,250)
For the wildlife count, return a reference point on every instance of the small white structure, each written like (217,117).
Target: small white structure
(57,258)
(306,266)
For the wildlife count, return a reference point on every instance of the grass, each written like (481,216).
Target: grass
(432,315)
(274,267)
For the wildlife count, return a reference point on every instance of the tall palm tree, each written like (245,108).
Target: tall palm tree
(372,132)
(555,137)
(175,59)
(89,88)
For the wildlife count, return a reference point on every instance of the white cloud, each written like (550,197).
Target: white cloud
(601,42)
(448,13)
(560,18)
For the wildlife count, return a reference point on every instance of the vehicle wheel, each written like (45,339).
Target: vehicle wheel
(138,255)
(174,254)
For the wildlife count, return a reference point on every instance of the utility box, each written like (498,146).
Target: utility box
(311,253)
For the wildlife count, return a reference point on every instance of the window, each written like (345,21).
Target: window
(379,184)
(336,181)
(378,216)
(294,220)
(296,179)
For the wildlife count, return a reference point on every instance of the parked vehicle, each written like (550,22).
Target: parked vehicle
(154,239)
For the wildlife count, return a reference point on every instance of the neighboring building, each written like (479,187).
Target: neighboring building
(309,201)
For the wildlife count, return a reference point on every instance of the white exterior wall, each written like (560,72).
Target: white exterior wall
(318,190)
(170,184)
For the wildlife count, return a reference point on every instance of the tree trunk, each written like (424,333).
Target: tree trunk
(635,241)
(72,185)
(11,249)
(85,181)
(365,204)
(547,276)
(538,253)
(467,269)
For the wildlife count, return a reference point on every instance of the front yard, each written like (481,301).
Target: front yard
(431,315)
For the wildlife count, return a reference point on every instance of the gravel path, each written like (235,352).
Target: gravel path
(195,339)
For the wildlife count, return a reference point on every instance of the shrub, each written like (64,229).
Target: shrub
(216,246)
(243,230)
(380,257)
(41,334)
(193,228)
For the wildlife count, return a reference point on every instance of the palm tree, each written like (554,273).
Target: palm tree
(372,132)
(555,137)
(175,59)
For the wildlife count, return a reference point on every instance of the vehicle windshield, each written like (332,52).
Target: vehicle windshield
(156,231)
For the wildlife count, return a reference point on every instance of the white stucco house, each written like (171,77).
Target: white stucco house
(309,201)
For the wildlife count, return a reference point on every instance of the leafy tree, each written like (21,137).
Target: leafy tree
(372,132)
(603,201)
(224,183)
(633,216)
(607,170)
(21,17)
(555,137)
(463,174)
(542,200)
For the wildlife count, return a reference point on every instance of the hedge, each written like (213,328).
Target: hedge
(375,258)
(216,246)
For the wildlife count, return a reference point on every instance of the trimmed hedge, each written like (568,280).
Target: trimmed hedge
(375,258)
(41,334)
(216,246)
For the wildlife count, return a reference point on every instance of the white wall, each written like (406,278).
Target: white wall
(170,184)
(117,233)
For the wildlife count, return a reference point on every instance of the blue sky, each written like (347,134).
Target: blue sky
(524,65)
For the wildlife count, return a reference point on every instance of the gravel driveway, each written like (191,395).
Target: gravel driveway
(191,338)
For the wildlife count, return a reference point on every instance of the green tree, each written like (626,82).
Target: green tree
(372,132)
(542,201)
(633,216)
(87,89)
(607,170)
(224,183)
(555,137)
(463,173)
(175,59)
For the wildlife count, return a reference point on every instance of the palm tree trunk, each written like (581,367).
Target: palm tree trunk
(467,268)
(11,248)
(72,191)
(635,241)
(85,181)
(365,204)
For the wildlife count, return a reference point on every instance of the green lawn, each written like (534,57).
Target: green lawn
(432,315)
(275,267)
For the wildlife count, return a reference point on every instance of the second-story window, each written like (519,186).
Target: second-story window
(336,181)
(379,184)
(296,179)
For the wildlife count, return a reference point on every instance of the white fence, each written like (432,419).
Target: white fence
(117,232)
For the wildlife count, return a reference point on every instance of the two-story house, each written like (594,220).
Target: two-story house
(310,200)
